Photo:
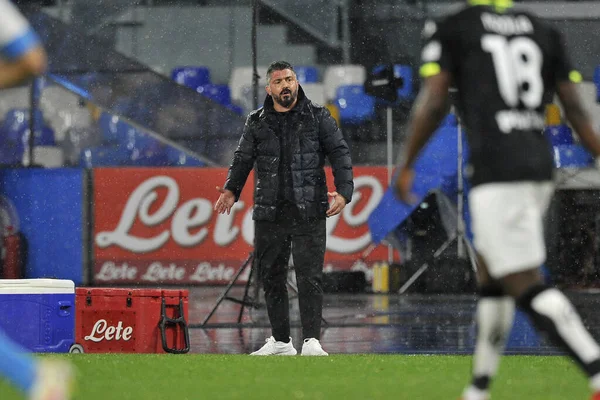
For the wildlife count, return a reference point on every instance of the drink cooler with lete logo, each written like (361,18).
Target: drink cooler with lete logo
(50,315)
(116,320)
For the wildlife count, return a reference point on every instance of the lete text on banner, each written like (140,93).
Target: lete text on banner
(157,225)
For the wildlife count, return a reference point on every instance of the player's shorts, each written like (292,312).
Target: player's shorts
(507,224)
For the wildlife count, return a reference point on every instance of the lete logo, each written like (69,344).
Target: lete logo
(197,212)
(102,331)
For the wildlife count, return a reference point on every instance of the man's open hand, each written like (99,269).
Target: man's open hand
(339,202)
(225,202)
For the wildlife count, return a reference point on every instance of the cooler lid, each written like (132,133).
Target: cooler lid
(36,286)
(184,293)
(118,292)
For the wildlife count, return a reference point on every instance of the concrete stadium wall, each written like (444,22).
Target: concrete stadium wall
(216,37)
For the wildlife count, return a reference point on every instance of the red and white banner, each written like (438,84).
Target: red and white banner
(157,225)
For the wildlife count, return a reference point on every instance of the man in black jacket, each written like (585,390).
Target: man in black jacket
(286,141)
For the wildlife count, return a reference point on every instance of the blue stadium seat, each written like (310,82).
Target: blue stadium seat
(116,131)
(356,107)
(119,155)
(125,134)
(307,74)
(192,77)
(44,136)
(14,134)
(219,93)
(236,109)
(124,145)
(178,158)
(17,118)
(109,127)
(14,119)
(559,134)
(149,157)
(104,156)
(133,138)
(11,140)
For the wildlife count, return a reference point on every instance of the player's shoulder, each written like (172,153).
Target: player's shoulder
(443,25)
(465,17)
(543,26)
(538,22)
(538,28)
(461,14)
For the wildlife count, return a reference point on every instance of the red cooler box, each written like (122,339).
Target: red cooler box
(110,320)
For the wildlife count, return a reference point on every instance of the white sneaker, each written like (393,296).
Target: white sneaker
(54,381)
(275,348)
(312,347)
(472,393)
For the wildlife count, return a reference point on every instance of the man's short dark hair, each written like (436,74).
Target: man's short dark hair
(278,66)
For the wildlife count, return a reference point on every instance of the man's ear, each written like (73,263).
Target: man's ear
(268,90)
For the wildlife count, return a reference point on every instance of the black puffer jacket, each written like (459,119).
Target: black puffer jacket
(315,136)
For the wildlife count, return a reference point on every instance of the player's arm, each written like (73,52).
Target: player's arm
(575,112)
(22,54)
(25,66)
(566,80)
(430,108)
(428,112)
(432,103)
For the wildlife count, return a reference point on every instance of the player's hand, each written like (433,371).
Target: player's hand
(403,186)
(338,204)
(225,202)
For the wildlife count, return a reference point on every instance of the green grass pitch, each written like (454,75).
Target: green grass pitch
(344,377)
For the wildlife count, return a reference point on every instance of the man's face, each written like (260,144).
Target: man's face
(283,87)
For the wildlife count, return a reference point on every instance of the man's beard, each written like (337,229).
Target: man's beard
(288,100)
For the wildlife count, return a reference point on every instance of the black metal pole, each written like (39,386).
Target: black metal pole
(254,55)
(28,161)
(34,104)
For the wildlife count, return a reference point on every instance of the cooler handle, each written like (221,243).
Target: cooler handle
(166,321)
(64,308)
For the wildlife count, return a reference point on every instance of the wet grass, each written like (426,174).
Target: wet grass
(344,377)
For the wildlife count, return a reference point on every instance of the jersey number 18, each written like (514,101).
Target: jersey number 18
(518,66)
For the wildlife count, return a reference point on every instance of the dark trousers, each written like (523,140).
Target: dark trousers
(274,241)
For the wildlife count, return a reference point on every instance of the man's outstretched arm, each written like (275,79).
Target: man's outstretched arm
(22,54)
(569,97)
(428,112)
(28,65)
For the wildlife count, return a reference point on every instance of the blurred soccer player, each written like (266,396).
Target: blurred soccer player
(506,66)
(22,57)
